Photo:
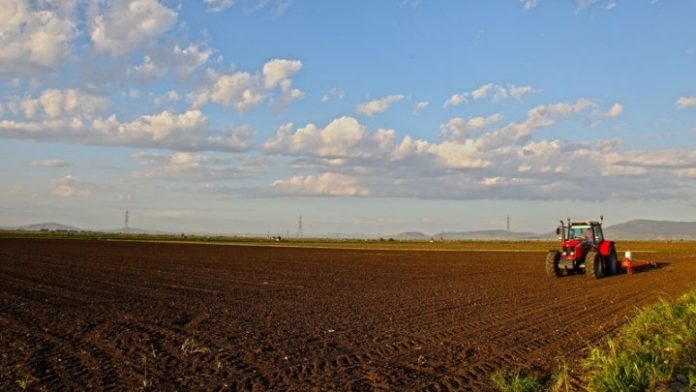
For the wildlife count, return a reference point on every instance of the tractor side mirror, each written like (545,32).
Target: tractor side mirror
(558,231)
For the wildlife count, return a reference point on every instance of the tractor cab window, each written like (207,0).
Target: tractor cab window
(598,235)
(581,232)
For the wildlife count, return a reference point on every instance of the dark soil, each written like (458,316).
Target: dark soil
(122,316)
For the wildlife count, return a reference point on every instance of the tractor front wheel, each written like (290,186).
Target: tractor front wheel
(552,259)
(593,265)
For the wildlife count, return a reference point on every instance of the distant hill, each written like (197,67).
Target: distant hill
(644,229)
(48,226)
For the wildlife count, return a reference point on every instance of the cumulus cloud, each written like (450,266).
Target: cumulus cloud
(459,128)
(685,102)
(183,61)
(53,103)
(244,90)
(188,59)
(506,161)
(187,131)
(420,106)
(128,24)
(70,186)
(615,110)
(51,163)
(342,137)
(34,36)
(333,184)
(148,70)
(380,105)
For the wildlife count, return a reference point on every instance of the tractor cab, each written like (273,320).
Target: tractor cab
(585,231)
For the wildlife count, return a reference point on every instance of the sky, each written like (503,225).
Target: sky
(375,117)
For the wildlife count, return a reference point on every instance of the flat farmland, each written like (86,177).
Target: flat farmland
(122,316)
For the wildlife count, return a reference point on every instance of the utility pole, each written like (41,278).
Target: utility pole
(508,223)
(125,223)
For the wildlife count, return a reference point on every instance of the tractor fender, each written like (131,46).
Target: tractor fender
(605,248)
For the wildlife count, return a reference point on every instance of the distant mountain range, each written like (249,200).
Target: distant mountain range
(48,226)
(643,229)
(53,226)
(638,229)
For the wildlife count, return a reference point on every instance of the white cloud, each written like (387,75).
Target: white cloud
(70,186)
(53,103)
(278,70)
(148,70)
(529,4)
(244,90)
(127,24)
(459,128)
(187,131)
(188,59)
(496,91)
(380,105)
(482,91)
(218,5)
(34,36)
(507,162)
(288,95)
(56,103)
(500,92)
(420,106)
(615,110)
(335,93)
(52,163)
(333,184)
(685,102)
(456,100)
(517,92)
(186,165)
(170,97)
(183,61)
(344,136)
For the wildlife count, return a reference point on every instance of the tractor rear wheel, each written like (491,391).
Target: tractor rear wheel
(552,259)
(593,265)
(612,262)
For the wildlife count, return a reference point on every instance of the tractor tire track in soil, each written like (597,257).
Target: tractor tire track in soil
(121,316)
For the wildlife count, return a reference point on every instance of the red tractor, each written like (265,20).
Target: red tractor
(584,249)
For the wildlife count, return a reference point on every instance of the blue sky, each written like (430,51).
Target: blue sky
(363,116)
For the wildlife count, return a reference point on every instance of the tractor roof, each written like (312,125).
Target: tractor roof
(587,223)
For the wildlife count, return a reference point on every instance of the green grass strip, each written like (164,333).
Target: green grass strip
(656,347)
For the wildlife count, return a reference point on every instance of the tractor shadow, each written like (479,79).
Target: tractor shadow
(657,266)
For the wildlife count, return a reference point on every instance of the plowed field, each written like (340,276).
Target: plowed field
(113,316)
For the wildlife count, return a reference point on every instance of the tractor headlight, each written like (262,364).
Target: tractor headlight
(572,253)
